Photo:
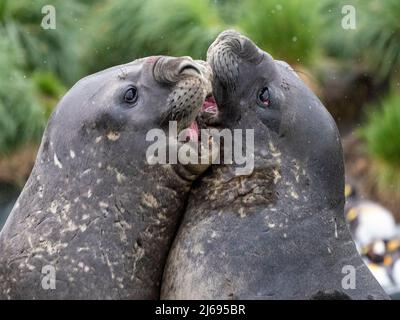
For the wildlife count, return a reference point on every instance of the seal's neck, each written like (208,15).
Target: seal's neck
(280,182)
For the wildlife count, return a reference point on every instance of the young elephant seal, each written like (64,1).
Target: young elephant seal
(95,219)
(278,233)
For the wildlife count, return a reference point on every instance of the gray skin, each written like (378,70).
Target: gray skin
(93,208)
(280,232)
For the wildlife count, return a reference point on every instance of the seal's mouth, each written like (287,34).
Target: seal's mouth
(210,105)
(208,111)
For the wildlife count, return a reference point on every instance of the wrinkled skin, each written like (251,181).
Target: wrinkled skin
(93,208)
(280,232)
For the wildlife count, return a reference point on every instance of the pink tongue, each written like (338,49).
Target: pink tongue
(210,105)
(193,131)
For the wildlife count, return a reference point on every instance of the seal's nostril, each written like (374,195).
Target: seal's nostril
(188,67)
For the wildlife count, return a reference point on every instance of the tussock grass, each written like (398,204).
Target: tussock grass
(381,133)
(21,117)
(287,29)
(374,43)
(131,29)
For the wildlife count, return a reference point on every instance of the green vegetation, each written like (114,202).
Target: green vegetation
(287,29)
(374,43)
(379,37)
(133,28)
(382,135)
(375,47)
(49,90)
(53,50)
(21,118)
(382,127)
(33,65)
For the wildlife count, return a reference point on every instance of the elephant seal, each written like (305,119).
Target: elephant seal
(95,219)
(279,232)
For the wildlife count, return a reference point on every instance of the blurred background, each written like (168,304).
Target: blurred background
(354,71)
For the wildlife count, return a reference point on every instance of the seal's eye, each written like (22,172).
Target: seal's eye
(131,95)
(264,96)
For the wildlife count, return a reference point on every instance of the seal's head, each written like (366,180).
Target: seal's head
(291,125)
(115,110)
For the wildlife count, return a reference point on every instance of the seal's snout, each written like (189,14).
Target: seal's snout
(192,91)
(227,53)
(171,70)
(228,39)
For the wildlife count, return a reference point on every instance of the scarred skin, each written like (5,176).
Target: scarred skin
(93,208)
(280,232)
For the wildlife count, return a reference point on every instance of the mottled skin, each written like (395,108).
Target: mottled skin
(280,232)
(93,207)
